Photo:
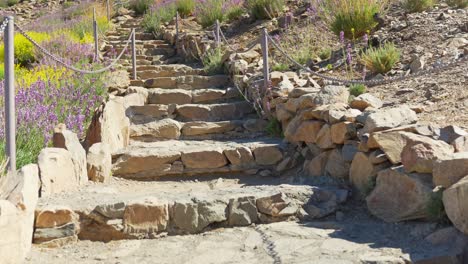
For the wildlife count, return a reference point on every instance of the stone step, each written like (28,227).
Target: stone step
(198,96)
(146,130)
(140,114)
(174,70)
(123,209)
(153,160)
(111,41)
(188,82)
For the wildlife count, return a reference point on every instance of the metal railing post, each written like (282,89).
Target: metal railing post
(96,41)
(10,116)
(177,29)
(266,68)
(108,10)
(134,69)
(217,33)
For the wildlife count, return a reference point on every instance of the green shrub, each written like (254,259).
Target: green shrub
(325,54)
(264,9)
(274,128)
(24,50)
(418,5)
(357,89)
(381,59)
(213,61)
(155,18)
(185,7)
(140,6)
(353,17)
(234,13)
(209,12)
(280,67)
(28,146)
(458,3)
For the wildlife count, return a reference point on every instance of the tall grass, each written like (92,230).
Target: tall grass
(212,61)
(264,9)
(185,7)
(418,5)
(140,6)
(381,59)
(353,17)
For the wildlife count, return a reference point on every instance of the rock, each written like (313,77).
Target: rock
(460,144)
(203,159)
(442,236)
(340,132)
(68,140)
(324,139)
(349,150)
(57,171)
(399,196)
(99,163)
(240,156)
(450,133)
(417,64)
(166,128)
(363,172)
(267,155)
(366,100)
(391,144)
(202,128)
(316,167)
(332,94)
(18,200)
(53,216)
(389,118)
(377,157)
(350,115)
(117,80)
(322,203)
(292,105)
(146,216)
(336,166)
(141,160)
(454,199)
(112,210)
(300,91)
(276,205)
(242,211)
(194,217)
(420,152)
(285,86)
(305,131)
(448,171)
(255,125)
(110,125)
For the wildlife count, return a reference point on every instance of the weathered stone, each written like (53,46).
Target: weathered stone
(389,118)
(322,203)
(267,155)
(68,140)
(461,144)
(332,94)
(349,150)
(42,235)
(242,211)
(324,139)
(336,166)
(203,128)
(300,91)
(110,125)
(450,133)
(299,130)
(99,163)
(203,159)
(54,216)
(316,167)
(399,196)
(146,216)
(141,160)
(350,115)
(117,80)
(18,199)
(420,152)
(450,170)
(340,132)
(255,125)
(292,105)
(391,144)
(166,128)
(455,205)
(194,217)
(240,156)
(169,96)
(57,171)
(111,210)
(276,205)
(363,172)
(377,157)
(366,100)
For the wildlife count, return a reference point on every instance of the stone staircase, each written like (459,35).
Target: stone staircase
(198,159)
(191,123)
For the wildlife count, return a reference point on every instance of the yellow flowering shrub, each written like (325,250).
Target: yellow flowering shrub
(24,50)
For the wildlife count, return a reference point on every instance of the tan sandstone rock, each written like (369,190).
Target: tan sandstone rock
(366,100)
(363,172)
(316,166)
(240,156)
(203,159)
(299,130)
(389,118)
(57,171)
(324,138)
(450,170)
(340,132)
(99,163)
(399,196)
(455,204)
(267,155)
(336,166)
(148,215)
(54,216)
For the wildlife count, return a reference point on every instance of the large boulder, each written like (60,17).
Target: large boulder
(366,100)
(55,226)
(194,217)
(68,140)
(363,172)
(305,131)
(450,170)
(242,211)
(99,163)
(389,118)
(455,204)
(336,166)
(57,171)
(316,167)
(267,155)
(146,216)
(241,156)
(399,196)
(420,152)
(18,200)
(110,125)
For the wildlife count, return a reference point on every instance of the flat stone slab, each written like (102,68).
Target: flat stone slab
(125,209)
(148,160)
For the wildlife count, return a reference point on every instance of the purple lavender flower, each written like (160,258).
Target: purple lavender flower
(342,39)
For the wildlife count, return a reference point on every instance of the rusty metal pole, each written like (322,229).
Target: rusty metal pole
(266,68)
(10,116)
